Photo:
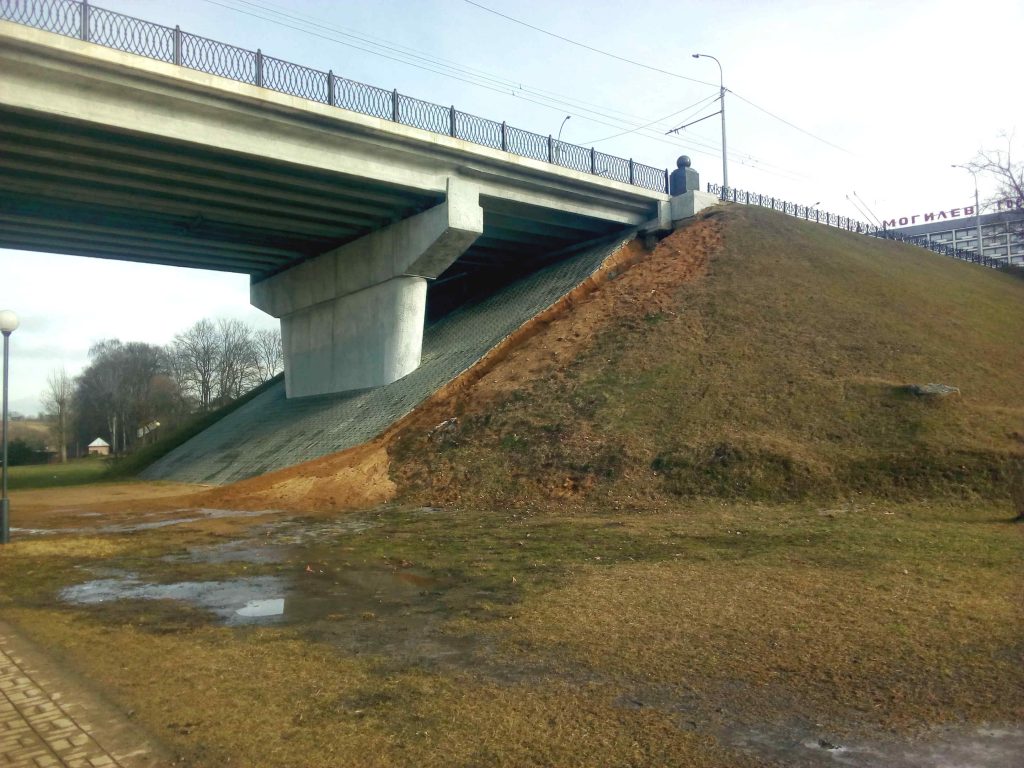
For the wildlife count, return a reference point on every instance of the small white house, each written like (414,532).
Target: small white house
(99,447)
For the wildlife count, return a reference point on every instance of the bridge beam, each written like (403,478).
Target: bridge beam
(353,317)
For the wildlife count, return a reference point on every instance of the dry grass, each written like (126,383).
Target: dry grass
(1017,490)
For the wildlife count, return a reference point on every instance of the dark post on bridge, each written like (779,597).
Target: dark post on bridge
(683,179)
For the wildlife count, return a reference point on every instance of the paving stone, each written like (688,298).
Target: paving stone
(35,731)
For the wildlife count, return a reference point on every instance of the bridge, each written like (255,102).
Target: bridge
(128,140)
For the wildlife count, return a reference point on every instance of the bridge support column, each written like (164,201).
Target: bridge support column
(353,317)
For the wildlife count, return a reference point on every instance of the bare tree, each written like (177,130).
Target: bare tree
(195,354)
(57,402)
(1008,174)
(269,354)
(236,368)
(215,362)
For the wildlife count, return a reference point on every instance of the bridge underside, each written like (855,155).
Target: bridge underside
(341,220)
(71,187)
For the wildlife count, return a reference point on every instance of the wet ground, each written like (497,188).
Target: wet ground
(301,579)
(954,747)
(303,574)
(143,523)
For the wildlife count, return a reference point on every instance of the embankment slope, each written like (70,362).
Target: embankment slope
(780,371)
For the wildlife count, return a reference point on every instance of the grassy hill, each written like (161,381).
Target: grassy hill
(752,355)
(33,431)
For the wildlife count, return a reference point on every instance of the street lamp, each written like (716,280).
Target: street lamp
(977,206)
(563,126)
(8,325)
(558,141)
(721,85)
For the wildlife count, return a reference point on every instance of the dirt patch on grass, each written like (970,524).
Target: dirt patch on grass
(84,505)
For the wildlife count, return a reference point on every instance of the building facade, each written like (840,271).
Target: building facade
(1002,232)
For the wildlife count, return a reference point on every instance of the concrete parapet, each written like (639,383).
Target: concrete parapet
(353,317)
(690,203)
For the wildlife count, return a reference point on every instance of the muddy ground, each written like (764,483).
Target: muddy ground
(726,635)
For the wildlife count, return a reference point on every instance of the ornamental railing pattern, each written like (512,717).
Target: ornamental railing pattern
(845,222)
(85,21)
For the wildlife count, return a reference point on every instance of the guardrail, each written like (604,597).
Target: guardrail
(845,222)
(85,21)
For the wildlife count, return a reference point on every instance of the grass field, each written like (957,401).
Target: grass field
(74,472)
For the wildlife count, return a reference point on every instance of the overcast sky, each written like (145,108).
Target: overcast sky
(881,98)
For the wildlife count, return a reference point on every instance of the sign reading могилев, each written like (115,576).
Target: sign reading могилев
(1008,204)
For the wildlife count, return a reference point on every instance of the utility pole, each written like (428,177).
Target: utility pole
(721,98)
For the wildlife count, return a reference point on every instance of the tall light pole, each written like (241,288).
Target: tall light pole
(8,325)
(721,98)
(977,206)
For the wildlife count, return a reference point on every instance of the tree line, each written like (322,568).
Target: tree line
(130,389)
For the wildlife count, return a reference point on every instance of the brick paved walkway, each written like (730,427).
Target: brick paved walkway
(48,722)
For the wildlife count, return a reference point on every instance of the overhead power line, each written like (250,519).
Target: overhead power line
(791,125)
(406,51)
(699,105)
(653,69)
(453,70)
(589,47)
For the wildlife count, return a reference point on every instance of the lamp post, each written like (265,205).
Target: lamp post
(977,206)
(558,141)
(721,97)
(8,325)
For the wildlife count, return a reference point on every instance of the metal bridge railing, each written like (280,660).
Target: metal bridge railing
(852,225)
(85,21)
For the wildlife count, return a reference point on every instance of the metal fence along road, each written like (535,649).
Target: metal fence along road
(80,19)
(844,222)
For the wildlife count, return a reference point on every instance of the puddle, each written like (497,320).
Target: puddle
(243,551)
(391,609)
(275,542)
(194,515)
(226,599)
(315,594)
(262,608)
(35,531)
(318,532)
(978,747)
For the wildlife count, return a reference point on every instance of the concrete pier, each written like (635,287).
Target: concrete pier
(353,317)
